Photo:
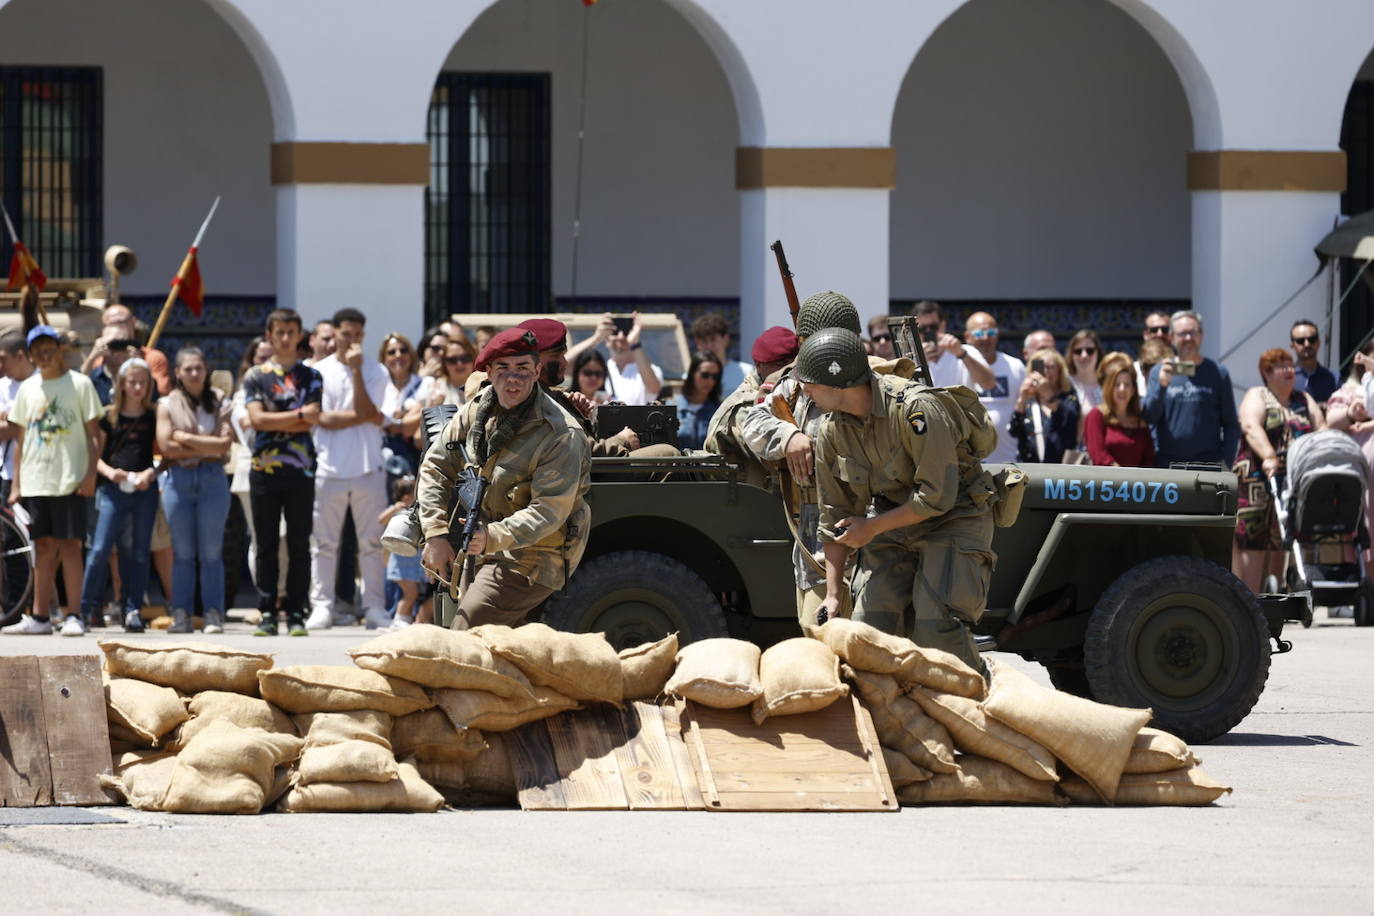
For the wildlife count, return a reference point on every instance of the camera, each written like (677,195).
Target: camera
(1185,367)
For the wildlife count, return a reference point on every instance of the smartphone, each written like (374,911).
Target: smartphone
(624,325)
(1038,365)
(930,333)
(1185,367)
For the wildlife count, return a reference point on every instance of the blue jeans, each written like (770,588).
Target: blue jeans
(196,501)
(114,508)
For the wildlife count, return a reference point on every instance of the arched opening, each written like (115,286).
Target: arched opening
(1357,140)
(178,114)
(659,217)
(1041,171)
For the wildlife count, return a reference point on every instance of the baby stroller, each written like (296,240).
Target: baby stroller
(1320,505)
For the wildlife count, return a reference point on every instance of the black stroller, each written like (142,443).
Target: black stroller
(1320,504)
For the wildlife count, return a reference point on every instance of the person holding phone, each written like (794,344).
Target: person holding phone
(632,378)
(951,363)
(1045,420)
(1189,401)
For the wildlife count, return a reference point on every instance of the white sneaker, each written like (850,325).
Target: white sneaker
(73,626)
(400,623)
(376,619)
(28,626)
(319,620)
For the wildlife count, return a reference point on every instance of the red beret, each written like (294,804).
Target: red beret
(551,333)
(775,345)
(510,342)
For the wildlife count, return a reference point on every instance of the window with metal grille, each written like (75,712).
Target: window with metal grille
(50,165)
(487,205)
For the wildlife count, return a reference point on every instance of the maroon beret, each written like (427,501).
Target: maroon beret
(775,345)
(551,333)
(510,342)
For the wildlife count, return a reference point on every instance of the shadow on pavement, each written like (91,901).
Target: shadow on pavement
(1248,739)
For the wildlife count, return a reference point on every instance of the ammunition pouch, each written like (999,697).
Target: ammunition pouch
(1010,483)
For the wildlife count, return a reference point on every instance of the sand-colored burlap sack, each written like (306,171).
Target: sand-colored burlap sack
(645,668)
(901,724)
(486,711)
(321,728)
(578,665)
(188,667)
(440,657)
(430,737)
(1186,787)
(981,781)
(798,675)
(487,779)
(901,770)
(722,673)
(873,689)
(227,770)
(347,761)
(974,733)
(243,711)
(141,777)
(1092,739)
(123,738)
(866,648)
(1156,751)
(340,688)
(407,793)
(147,710)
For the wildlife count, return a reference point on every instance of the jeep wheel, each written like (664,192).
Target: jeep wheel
(634,597)
(1184,637)
(1364,604)
(434,419)
(1070,678)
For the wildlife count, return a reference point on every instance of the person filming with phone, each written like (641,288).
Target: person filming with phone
(1189,401)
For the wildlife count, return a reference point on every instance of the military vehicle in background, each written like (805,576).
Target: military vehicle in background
(74,303)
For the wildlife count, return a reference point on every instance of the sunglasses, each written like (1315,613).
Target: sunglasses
(455,360)
(708,375)
(881,338)
(1187,333)
(1159,329)
(593,373)
(983,333)
(1085,351)
(1306,340)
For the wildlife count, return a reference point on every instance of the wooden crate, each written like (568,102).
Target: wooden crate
(54,739)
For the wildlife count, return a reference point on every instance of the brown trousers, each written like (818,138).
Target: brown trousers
(497,594)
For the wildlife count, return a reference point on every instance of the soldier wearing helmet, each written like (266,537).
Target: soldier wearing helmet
(900,483)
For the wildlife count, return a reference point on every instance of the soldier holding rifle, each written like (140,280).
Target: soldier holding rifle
(533,520)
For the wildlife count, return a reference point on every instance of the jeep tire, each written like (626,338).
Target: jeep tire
(1182,636)
(634,597)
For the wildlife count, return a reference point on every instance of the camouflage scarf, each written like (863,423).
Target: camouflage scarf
(483,443)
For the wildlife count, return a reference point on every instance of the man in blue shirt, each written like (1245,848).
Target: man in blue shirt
(1189,401)
(1312,376)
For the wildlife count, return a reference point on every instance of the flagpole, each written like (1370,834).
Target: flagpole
(23,265)
(186,263)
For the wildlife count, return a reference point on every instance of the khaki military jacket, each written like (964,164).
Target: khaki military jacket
(908,449)
(725,434)
(535,512)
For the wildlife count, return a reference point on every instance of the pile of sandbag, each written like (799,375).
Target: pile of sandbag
(795,676)
(949,736)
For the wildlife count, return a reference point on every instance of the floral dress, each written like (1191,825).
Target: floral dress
(1257,525)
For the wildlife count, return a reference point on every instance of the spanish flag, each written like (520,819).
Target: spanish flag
(589,2)
(24,269)
(188,285)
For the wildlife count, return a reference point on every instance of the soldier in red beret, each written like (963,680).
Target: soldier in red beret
(774,349)
(534,519)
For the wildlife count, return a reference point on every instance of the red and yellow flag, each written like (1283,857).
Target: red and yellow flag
(24,269)
(589,2)
(188,285)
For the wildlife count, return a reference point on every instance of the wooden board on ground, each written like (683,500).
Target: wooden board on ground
(584,745)
(54,738)
(827,760)
(537,782)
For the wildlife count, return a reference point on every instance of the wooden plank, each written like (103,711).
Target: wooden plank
(701,764)
(874,751)
(536,773)
(25,773)
(78,733)
(584,745)
(682,757)
(646,761)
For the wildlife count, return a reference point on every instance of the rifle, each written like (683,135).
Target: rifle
(468,492)
(793,303)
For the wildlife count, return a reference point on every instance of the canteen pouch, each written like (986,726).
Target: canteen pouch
(1010,483)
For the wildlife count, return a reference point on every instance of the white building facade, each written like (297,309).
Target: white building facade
(1093,158)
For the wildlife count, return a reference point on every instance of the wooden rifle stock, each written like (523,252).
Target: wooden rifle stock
(793,303)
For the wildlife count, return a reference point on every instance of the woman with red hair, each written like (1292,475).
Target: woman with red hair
(1114,431)
(1271,416)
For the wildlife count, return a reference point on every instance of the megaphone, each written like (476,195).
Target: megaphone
(119,260)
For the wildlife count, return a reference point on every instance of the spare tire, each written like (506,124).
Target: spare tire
(1184,637)
(434,419)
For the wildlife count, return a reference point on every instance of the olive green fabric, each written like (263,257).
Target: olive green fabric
(834,357)
(827,310)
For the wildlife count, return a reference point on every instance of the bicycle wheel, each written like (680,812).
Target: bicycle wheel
(16,569)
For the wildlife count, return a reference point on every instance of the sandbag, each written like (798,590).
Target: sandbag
(147,710)
(722,673)
(429,736)
(981,781)
(645,668)
(798,675)
(487,779)
(188,667)
(1092,739)
(866,648)
(226,769)
(901,770)
(347,761)
(123,738)
(1185,787)
(578,665)
(340,688)
(407,793)
(321,728)
(440,657)
(1156,751)
(486,711)
(974,733)
(142,777)
(243,711)
(901,724)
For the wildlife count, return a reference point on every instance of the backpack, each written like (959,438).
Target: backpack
(961,401)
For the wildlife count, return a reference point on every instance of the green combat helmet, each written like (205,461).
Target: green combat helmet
(834,357)
(827,310)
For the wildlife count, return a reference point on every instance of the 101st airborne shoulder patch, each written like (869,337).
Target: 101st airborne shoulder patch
(917,418)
